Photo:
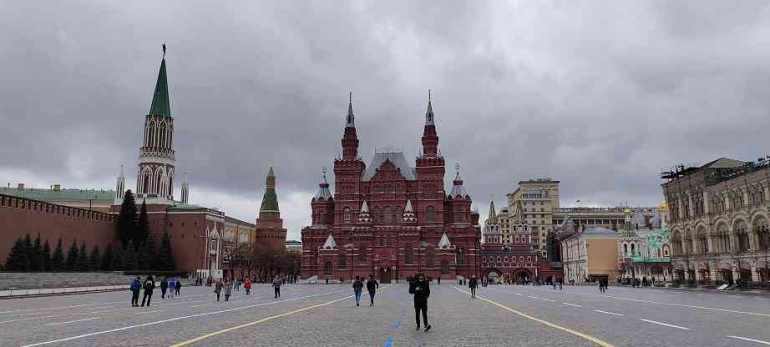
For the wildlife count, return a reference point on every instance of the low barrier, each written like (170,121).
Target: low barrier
(54,291)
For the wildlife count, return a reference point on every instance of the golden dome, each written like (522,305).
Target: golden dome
(627,210)
(663,206)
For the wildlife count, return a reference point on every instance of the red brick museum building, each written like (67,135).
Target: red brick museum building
(390,219)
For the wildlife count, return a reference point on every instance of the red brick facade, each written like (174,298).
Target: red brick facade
(390,219)
(19,216)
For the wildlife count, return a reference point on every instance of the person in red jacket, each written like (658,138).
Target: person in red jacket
(247,286)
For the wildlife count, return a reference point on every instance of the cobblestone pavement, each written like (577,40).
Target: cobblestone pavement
(326,315)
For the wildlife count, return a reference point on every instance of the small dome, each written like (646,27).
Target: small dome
(663,206)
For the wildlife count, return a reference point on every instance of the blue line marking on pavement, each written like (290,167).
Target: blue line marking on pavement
(388,342)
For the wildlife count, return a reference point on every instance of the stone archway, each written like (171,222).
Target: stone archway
(492,274)
(522,276)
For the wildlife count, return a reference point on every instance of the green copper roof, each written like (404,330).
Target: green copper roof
(50,195)
(269,201)
(161,105)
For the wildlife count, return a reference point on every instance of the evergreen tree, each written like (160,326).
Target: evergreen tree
(165,255)
(126,224)
(107,258)
(96,259)
(129,257)
(82,264)
(117,259)
(30,250)
(72,256)
(142,226)
(57,260)
(45,258)
(17,259)
(152,252)
(142,261)
(36,261)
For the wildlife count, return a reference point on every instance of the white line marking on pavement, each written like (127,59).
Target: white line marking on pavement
(531,297)
(25,319)
(178,318)
(198,305)
(748,339)
(519,294)
(568,304)
(665,324)
(99,308)
(544,299)
(612,313)
(73,321)
(46,309)
(148,312)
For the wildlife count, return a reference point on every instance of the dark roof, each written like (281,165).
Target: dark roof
(160,101)
(269,201)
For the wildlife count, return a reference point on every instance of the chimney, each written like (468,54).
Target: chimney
(56,187)
(20,186)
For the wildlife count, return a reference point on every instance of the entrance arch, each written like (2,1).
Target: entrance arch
(522,276)
(493,274)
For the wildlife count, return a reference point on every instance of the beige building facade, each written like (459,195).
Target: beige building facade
(719,221)
(590,255)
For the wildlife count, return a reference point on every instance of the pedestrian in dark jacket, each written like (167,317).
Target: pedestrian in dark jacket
(136,285)
(358,287)
(149,286)
(372,286)
(218,288)
(163,287)
(472,284)
(277,286)
(177,287)
(421,292)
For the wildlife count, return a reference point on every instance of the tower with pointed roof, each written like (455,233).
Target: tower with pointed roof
(155,178)
(120,187)
(269,229)
(185,189)
(392,218)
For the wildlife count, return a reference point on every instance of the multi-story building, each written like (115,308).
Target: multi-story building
(516,261)
(538,199)
(718,220)
(540,206)
(390,219)
(644,252)
(589,255)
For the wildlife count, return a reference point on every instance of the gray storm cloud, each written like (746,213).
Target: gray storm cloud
(599,95)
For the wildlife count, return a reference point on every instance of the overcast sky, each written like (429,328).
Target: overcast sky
(600,95)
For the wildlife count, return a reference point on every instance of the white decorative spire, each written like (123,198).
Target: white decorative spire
(329,244)
(444,242)
(409,216)
(185,189)
(363,214)
(120,188)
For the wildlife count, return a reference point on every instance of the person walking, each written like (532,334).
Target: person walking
(149,286)
(277,286)
(172,286)
(560,283)
(247,286)
(358,287)
(472,284)
(218,288)
(163,287)
(177,287)
(421,291)
(228,290)
(136,285)
(372,286)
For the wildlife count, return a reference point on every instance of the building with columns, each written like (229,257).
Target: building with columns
(718,221)
(390,219)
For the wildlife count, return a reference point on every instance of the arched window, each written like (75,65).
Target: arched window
(328,268)
(408,255)
(346,215)
(361,253)
(633,250)
(430,214)
(158,183)
(341,260)
(625,249)
(162,135)
(444,267)
(151,135)
(387,217)
(170,186)
(506,259)
(430,261)
(146,183)
(742,237)
(461,256)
